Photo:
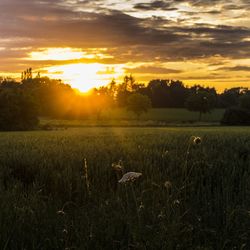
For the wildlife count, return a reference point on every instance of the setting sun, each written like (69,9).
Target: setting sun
(86,76)
(75,67)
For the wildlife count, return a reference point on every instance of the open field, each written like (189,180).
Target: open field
(155,117)
(188,197)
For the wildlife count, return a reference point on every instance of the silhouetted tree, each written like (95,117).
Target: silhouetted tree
(202,102)
(100,100)
(178,94)
(244,101)
(230,97)
(53,98)
(159,93)
(17,110)
(58,100)
(125,89)
(27,74)
(8,83)
(236,116)
(138,104)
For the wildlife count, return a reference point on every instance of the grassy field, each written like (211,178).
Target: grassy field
(190,196)
(167,115)
(155,117)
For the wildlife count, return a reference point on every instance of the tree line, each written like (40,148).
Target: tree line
(21,103)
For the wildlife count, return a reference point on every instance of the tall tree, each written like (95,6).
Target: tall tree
(202,102)
(17,110)
(244,101)
(138,104)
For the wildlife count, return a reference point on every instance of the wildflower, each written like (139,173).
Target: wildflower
(176,202)
(117,167)
(60,212)
(160,215)
(141,207)
(164,153)
(197,141)
(129,177)
(85,168)
(168,185)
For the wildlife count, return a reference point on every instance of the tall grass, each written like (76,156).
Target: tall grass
(188,197)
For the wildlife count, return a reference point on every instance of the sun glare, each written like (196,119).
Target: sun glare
(56,54)
(82,76)
(86,76)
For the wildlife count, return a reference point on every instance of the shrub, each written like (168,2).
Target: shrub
(245,101)
(17,111)
(236,116)
(138,104)
(202,102)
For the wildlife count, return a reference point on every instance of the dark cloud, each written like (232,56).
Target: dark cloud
(203,3)
(150,69)
(232,7)
(155,5)
(196,13)
(34,24)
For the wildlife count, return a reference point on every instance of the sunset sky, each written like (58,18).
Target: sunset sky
(88,42)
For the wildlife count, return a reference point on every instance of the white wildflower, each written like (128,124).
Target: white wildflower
(129,177)
(168,185)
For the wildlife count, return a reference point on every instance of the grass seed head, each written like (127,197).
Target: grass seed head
(65,231)
(129,177)
(177,203)
(197,140)
(164,153)
(168,185)
(60,212)
(141,207)
(117,167)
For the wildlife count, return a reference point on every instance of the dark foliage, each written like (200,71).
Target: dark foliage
(17,110)
(54,99)
(236,116)
(138,104)
(230,97)
(201,101)
(245,101)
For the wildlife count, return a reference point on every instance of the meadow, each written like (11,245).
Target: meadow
(59,189)
(154,117)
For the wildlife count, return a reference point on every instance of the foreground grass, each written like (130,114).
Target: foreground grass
(154,117)
(189,196)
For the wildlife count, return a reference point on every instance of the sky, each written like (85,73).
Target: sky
(87,43)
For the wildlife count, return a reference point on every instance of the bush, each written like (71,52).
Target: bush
(236,116)
(17,111)
(138,104)
(245,101)
(202,102)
